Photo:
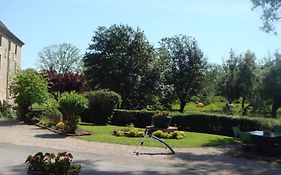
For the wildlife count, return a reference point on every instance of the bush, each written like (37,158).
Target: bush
(101,106)
(171,135)
(52,112)
(138,118)
(71,105)
(217,124)
(129,132)
(6,110)
(28,87)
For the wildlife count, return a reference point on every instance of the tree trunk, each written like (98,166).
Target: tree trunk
(243,103)
(244,110)
(182,105)
(274,109)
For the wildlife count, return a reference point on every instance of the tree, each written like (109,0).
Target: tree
(246,77)
(272,84)
(60,58)
(228,84)
(187,66)
(120,59)
(271,13)
(29,87)
(64,82)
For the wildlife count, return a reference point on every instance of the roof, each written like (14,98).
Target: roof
(6,31)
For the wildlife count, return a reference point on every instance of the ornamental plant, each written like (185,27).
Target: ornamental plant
(71,105)
(101,105)
(50,163)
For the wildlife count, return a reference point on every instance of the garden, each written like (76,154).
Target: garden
(114,97)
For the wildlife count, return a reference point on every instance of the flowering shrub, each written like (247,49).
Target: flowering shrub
(171,135)
(49,163)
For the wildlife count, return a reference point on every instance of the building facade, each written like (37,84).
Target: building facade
(10,59)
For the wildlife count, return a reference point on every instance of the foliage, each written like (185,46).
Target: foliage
(271,13)
(187,66)
(121,59)
(228,85)
(52,112)
(101,105)
(50,163)
(171,135)
(217,124)
(138,118)
(6,110)
(61,127)
(209,84)
(272,84)
(246,78)
(71,105)
(64,82)
(60,58)
(28,87)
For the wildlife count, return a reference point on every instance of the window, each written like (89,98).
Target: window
(16,49)
(0,40)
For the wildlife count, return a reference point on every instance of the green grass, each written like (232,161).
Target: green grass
(192,139)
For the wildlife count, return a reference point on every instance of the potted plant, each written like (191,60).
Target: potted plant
(51,164)
(161,119)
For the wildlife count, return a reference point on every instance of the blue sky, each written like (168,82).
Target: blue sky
(218,25)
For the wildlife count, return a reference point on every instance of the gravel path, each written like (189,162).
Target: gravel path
(209,160)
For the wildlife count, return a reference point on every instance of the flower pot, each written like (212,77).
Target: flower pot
(161,122)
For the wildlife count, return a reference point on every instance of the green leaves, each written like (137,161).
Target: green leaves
(120,58)
(29,87)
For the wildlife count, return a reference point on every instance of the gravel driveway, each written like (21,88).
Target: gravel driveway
(103,158)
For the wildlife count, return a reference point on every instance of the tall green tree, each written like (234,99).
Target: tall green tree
(228,84)
(61,58)
(246,77)
(29,87)
(272,84)
(271,13)
(121,59)
(187,66)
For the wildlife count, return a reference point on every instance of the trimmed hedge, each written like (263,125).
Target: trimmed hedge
(138,118)
(203,123)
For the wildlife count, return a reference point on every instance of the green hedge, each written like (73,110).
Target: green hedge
(203,123)
(137,118)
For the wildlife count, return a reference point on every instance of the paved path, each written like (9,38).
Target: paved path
(17,141)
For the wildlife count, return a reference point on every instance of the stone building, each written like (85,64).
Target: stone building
(10,59)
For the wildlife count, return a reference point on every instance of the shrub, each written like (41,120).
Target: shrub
(158,133)
(101,106)
(171,135)
(28,87)
(138,118)
(52,112)
(217,124)
(129,132)
(71,105)
(178,135)
(6,110)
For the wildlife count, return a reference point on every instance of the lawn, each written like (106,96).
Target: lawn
(192,139)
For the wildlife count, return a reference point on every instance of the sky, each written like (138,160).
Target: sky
(217,25)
